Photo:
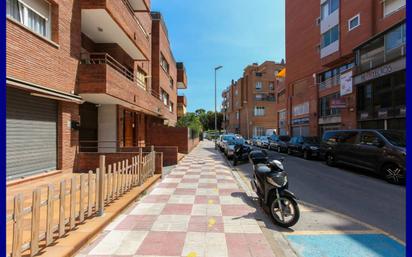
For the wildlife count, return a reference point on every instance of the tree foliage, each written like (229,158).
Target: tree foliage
(201,120)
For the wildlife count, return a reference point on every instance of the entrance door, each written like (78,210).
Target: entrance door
(129,129)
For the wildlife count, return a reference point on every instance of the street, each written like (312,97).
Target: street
(355,193)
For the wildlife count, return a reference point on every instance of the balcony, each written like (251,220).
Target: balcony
(181,99)
(333,81)
(181,76)
(139,5)
(103,80)
(114,21)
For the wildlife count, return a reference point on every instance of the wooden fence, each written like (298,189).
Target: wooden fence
(95,190)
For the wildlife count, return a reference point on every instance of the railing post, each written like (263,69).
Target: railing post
(102,171)
(141,166)
(17,226)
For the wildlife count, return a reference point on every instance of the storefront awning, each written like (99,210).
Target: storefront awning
(43,91)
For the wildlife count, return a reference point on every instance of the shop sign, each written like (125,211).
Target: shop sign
(338,103)
(403,110)
(381,71)
(346,83)
(383,113)
(300,121)
(364,115)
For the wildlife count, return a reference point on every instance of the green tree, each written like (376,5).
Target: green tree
(190,120)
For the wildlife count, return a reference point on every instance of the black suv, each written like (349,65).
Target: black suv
(305,146)
(381,151)
(278,143)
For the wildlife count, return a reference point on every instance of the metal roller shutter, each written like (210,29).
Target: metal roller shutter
(31,134)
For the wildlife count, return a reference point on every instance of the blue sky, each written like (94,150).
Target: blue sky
(232,33)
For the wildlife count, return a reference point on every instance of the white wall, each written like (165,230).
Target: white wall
(107,127)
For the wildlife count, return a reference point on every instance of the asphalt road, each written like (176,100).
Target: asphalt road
(352,192)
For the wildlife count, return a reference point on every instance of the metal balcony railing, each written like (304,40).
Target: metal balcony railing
(104,58)
(333,81)
(131,11)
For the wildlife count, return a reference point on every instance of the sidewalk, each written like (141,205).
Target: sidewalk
(197,210)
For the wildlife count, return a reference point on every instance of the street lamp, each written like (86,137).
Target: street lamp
(216,69)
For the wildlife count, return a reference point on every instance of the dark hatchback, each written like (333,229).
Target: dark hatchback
(380,151)
(308,147)
(279,143)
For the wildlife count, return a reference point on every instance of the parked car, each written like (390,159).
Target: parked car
(222,139)
(254,141)
(263,142)
(307,147)
(380,151)
(279,143)
(230,143)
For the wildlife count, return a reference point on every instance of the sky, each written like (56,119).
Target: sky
(232,33)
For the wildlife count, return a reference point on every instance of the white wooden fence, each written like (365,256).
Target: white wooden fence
(95,191)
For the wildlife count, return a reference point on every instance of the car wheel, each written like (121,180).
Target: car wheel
(306,155)
(330,160)
(393,173)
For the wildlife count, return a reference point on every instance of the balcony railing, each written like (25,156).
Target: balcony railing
(333,81)
(381,58)
(104,58)
(131,11)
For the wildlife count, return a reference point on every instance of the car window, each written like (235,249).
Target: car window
(395,137)
(330,136)
(368,138)
(284,138)
(347,137)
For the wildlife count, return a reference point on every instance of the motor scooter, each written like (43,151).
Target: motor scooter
(241,153)
(270,183)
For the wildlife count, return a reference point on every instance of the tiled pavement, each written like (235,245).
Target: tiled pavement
(197,210)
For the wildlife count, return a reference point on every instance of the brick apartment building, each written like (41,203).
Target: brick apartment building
(85,76)
(345,65)
(255,104)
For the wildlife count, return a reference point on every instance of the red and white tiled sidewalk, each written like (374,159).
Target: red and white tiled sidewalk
(196,211)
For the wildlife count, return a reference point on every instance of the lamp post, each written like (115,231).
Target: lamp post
(216,69)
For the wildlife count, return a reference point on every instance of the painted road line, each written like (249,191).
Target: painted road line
(356,221)
(348,245)
(331,232)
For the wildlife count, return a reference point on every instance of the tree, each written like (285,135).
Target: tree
(190,120)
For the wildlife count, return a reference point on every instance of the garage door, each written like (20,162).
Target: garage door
(31,134)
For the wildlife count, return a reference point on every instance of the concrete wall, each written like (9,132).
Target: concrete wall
(107,128)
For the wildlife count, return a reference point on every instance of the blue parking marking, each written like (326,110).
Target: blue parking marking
(346,245)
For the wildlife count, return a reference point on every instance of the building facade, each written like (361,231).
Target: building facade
(342,57)
(254,104)
(82,77)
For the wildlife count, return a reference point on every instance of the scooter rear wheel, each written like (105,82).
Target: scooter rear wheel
(290,209)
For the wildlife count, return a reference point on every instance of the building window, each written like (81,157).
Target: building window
(237,115)
(171,83)
(301,109)
(35,15)
(259,131)
(259,85)
(164,63)
(328,8)
(259,74)
(391,6)
(395,38)
(324,106)
(171,106)
(141,78)
(330,36)
(354,22)
(271,86)
(259,111)
(165,98)
(236,92)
